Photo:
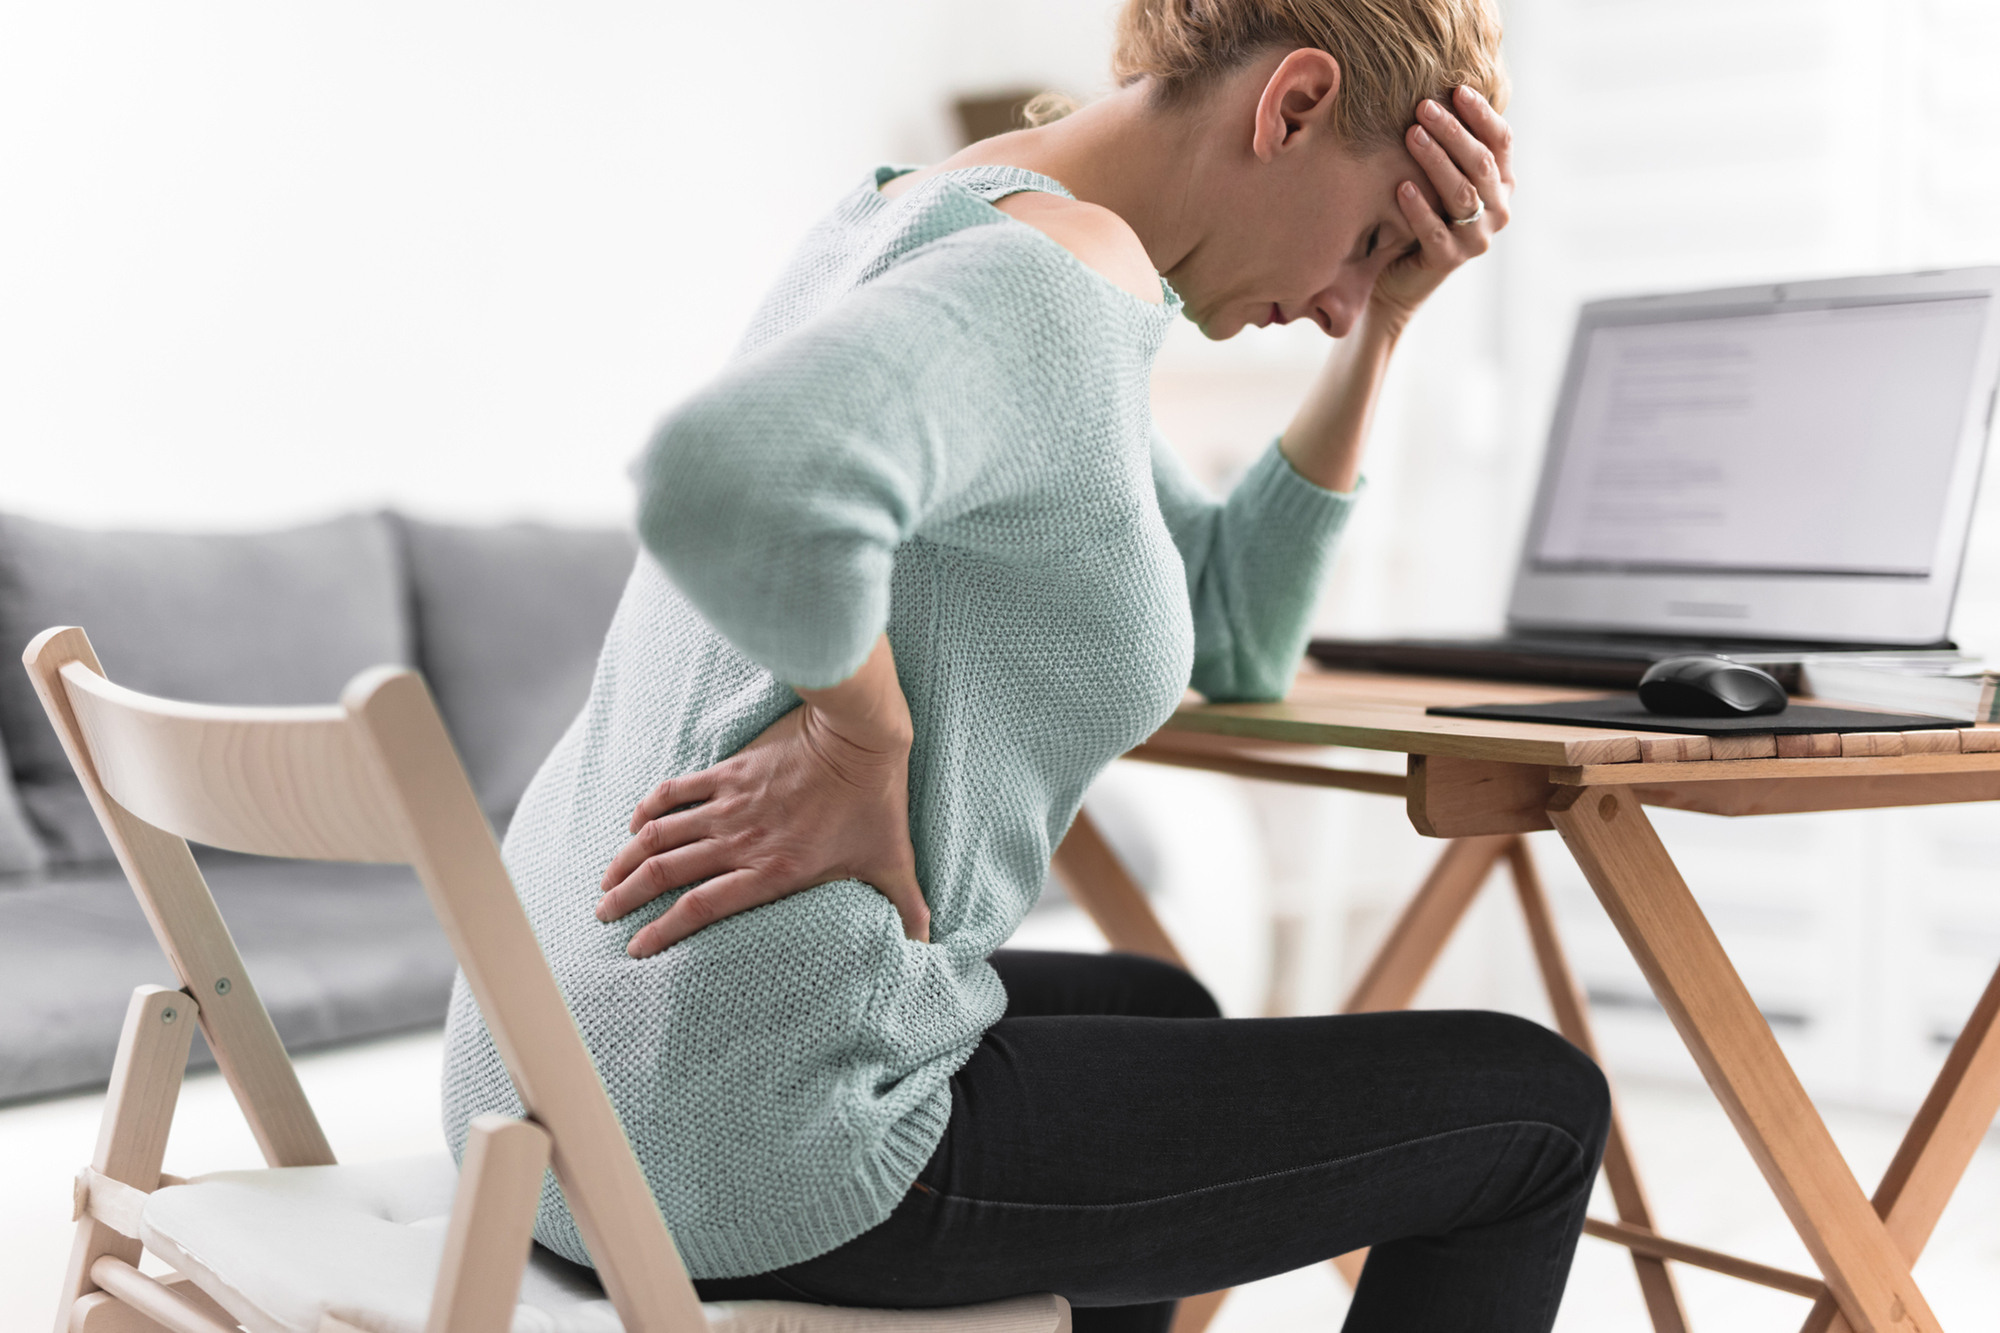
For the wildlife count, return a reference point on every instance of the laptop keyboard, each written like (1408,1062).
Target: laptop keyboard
(1556,660)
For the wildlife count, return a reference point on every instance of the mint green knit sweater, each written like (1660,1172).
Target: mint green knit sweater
(938,425)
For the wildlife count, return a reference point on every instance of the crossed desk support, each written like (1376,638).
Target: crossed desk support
(1863,1252)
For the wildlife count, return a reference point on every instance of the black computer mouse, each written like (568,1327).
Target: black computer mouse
(1709,687)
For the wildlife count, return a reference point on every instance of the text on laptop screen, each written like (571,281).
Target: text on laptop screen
(1798,441)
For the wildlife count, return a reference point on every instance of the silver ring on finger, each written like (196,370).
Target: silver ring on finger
(1477,214)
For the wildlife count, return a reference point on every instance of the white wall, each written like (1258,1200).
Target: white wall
(265,261)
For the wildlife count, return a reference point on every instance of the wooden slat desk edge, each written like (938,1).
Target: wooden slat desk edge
(1590,758)
(1452,797)
(1366,712)
(1411,732)
(1736,770)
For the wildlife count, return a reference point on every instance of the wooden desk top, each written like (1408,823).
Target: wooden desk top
(1386,712)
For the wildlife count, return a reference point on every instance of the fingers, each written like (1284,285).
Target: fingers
(1459,196)
(674,793)
(1430,229)
(1464,170)
(663,874)
(1489,125)
(908,900)
(739,891)
(660,835)
(703,905)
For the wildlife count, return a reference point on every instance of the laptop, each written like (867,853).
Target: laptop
(1768,472)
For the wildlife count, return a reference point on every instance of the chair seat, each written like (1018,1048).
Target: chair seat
(280,1248)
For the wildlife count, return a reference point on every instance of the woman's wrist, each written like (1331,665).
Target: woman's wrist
(868,708)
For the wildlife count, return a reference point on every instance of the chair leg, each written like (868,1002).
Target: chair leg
(1656,1281)
(1939,1144)
(492,1225)
(1642,891)
(138,1112)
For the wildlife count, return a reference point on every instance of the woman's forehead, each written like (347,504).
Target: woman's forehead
(1377,173)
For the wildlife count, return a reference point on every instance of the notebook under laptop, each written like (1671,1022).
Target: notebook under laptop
(1768,471)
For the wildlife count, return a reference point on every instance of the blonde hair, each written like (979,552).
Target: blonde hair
(1393,53)
(1046,107)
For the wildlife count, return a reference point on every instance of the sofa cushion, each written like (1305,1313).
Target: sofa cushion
(249,618)
(509,623)
(337,952)
(20,846)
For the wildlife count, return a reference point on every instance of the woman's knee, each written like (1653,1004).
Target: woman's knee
(1583,1089)
(1564,1086)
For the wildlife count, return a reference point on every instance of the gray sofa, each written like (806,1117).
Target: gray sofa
(505,622)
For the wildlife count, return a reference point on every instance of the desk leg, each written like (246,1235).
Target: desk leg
(1643,893)
(1097,879)
(1656,1282)
(1421,932)
(1939,1145)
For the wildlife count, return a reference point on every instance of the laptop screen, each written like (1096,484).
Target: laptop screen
(1790,462)
(1814,441)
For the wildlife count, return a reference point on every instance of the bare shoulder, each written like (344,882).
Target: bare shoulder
(1094,234)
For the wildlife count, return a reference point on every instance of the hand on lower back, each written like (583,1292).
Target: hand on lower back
(821,795)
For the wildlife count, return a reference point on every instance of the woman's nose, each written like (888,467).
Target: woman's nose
(1342,303)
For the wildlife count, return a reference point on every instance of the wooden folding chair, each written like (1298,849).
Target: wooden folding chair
(308,1246)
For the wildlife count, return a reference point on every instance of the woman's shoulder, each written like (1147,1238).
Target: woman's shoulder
(1008,224)
(999,256)
(1100,239)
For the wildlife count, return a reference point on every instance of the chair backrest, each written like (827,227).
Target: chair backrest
(372,778)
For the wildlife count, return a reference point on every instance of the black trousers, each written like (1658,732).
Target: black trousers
(1114,1141)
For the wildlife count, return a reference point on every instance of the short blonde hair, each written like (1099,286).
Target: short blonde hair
(1393,53)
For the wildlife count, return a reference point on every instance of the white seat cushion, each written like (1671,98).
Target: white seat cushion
(280,1248)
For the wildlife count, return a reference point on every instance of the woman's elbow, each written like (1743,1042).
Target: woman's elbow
(1232,679)
(689,493)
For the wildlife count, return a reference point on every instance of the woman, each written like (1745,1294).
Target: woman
(916,568)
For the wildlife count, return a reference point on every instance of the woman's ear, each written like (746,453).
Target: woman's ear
(1297,101)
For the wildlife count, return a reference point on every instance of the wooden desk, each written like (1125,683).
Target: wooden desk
(1482,784)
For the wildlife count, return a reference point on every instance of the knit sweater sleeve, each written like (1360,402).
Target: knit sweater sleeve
(1255,565)
(776,496)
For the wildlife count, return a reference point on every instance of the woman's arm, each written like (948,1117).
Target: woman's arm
(1469,160)
(775,499)
(1325,439)
(1255,562)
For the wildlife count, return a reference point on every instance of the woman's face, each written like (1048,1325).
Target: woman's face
(1303,238)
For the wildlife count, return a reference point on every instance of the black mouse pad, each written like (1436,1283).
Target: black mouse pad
(1625,712)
